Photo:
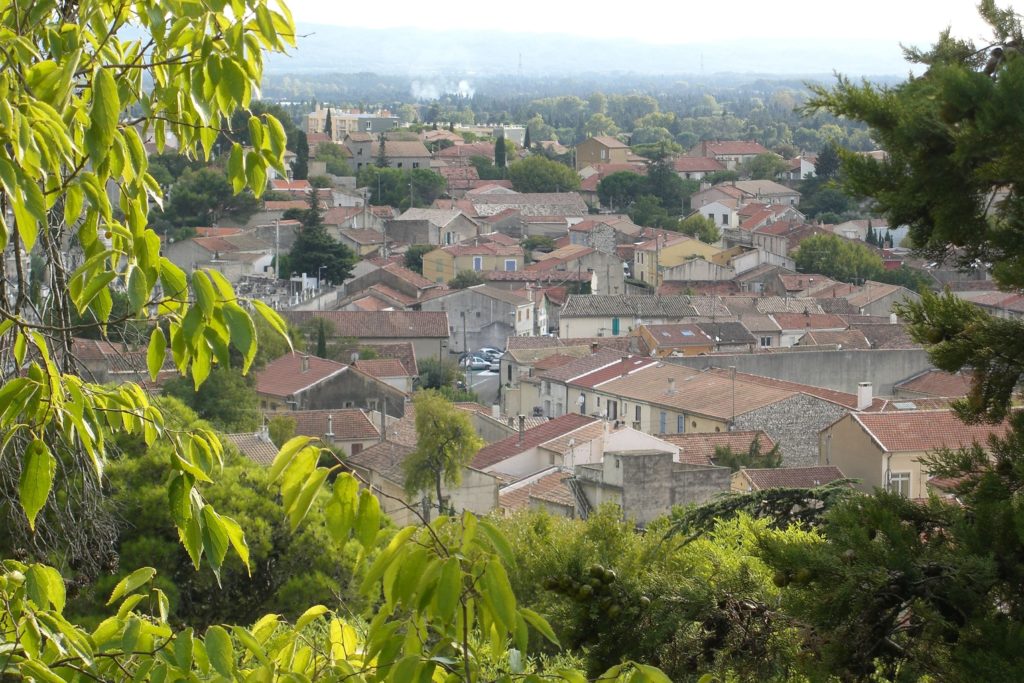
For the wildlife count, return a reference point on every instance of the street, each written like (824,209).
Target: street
(485,384)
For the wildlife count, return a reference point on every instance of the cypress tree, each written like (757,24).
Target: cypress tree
(382,155)
(499,152)
(300,169)
(526,139)
(328,126)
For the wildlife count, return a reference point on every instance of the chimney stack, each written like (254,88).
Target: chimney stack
(330,426)
(864,396)
(593,347)
(522,428)
(671,385)
(305,363)
(625,368)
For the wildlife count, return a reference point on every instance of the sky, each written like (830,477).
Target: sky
(912,22)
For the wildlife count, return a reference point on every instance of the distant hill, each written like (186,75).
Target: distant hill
(423,53)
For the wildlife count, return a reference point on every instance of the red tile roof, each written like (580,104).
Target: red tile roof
(678,335)
(938,383)
(699,449)
(347,424)
(531,438)
(256,446)
(925,430)
(624,367)
(284,376)
(697,165)
(549,488)
(380,324)
(809,321)
(582,366)
(217,232)
(792,477)
(382,367)
(400,351)
(385,458)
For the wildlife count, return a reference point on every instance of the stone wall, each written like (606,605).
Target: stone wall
(794,424)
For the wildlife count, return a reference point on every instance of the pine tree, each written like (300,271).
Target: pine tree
(300,169)
(499,152)
(382,155)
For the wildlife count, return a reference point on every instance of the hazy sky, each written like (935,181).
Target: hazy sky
(915,22)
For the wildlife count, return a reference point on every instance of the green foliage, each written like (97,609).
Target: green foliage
(314,248)
(486,168)
(300,168)
(647,210)
(620,189)
(414,256)
(394,187)
(202,197)
(227,399)
(466,278)
(281,428)
(445,443)
(701,227)
(335,158)
(435,374)
(320,181)
(537,174)
(838,258)
(752,457)
(499,152)
(541,242)
(765,166)
(827,165)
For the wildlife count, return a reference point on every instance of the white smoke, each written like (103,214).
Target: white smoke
(432,91)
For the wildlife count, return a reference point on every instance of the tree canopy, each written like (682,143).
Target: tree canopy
(537,174)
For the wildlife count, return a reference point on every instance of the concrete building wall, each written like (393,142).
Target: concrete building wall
(839,370)
(354,390)
(698,269)
(847,446)
(794,423)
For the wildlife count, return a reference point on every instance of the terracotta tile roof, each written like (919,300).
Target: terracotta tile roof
(256,446)
(556,360)
(364,235)
(938,383)
(924,430)
(726,147)
(284,376)
(699,449)
(585,434)
(468,149)
(700,287)
(697,165)
(531,438)
(631,306)
(394,149)
(384,458)
(610,141)
(846,339)
(810,321)
(886,336)
(285,204)
(347,424)
(380,324)
(581,366)
(701,393)
(410,276)
(400,351)
(792,477)
(549,487)
(283,184)
(678,335)
(217,232)
(382,367)
(499,238)
(622,368)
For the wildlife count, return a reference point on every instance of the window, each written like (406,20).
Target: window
(478,263)
(415,164)
(604,154)
(583,404)
(545,387)
(615,327)
(899,482)
(399,164)
(680,424)
(662,421)
(520,319)
(510,265)
(527,313)
(725,216)
(348,404)
(613,410)
(356,447)
(509,372)
(766,341)
(372,404)
(636,412)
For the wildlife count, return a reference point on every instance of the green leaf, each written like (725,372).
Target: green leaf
(540,624)
(367,519)
(498,541)
(156,352)
(303,501)
(571,676)
(215,537)
(37,469)
(285,455)
(256,132)
(652,674)
(250,643)
(449,588)
(243,333)
(499,592)
(130,583)
(138,288)
(97,283)
(341,509)
(220,651)
(45,587)
(236,168)
(106,107)
(309,615)
(204,292)
(256,172)
(237,538)
(74,200)
(173,280)
(20,347)
(273,318)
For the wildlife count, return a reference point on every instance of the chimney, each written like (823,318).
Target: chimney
(864,397)
(330,426)
(496,411)
(305,363)
(625,368)
(522,428)
(671,386)
(593,347)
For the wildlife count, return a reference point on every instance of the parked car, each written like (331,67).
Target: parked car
(496,364)
(490,353)
(476,363)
